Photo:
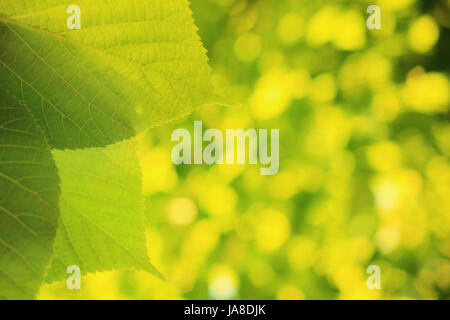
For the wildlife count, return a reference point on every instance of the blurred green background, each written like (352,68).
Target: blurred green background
(364,160)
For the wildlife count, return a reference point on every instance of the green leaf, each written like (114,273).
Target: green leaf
(134,64)
(102,223)
(29,195)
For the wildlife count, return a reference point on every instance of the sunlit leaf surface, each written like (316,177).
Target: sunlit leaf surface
(132,65)
(102,221)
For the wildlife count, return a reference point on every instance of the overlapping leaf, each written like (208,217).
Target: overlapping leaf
(133,64)
(102,223)
(29,196)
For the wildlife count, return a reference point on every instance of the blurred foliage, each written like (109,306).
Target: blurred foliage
(364,160)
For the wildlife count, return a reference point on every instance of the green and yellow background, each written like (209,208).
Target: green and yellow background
(364,161)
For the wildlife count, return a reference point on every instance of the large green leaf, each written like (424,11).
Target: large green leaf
(29,192)
(102,223)
(133,64)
